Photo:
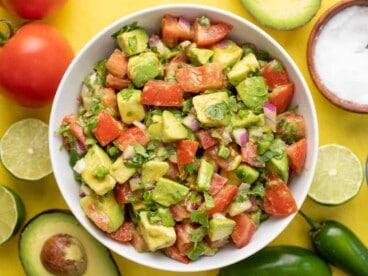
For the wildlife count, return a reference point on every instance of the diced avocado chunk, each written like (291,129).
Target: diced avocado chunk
(153,170)
(247,173)
(253,92)
(220,227)
(199,56)
(155,128)
(212,109)
(205,173)
(96,172)
(242,68)
(227,53)
(129,105)
(133,42)
(103,210)
(240,204)
(172,128)
(279,164)
(144,67)
(246,118)
(156,236)
(168,192)
(120,172)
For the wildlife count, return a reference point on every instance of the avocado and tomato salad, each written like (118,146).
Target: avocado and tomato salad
(185,140)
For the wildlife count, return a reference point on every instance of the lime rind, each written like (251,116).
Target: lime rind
(338,176)
(24,150)
(282,15)
(12,213)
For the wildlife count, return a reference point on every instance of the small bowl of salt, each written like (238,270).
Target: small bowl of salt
(337,55)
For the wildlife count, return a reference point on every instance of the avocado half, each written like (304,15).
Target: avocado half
(42,229)
(282,14)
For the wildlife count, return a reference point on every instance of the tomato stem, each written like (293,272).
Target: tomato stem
(5,36)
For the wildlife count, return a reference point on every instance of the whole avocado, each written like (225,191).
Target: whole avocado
(279,260)
(53,242)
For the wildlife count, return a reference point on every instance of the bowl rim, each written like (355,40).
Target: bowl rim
(313,37)
(197,266)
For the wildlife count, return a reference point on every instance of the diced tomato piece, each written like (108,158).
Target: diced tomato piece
(122,193)
(278,199)
(173,253)
(217,183)
(117,83)
(281,96)
(296,153)
(173,171)
(107,128)
(217,243)
(250,155)
(290,126)
(244,229)
(132,136)
(201,78)
(174,30)
(77,130)
(228,164)
(162,93)
(183,242)
(117,64)
(186,151)
(179,212)
(206,139)
(124,232)
(275,74)
(138,241)
(223,199)
(207,35)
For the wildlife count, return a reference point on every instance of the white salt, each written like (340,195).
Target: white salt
(341,54)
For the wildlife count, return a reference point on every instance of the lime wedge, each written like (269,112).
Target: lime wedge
(12,213)
(24,149)
(338,175)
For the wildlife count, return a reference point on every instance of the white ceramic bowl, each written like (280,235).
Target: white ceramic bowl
(100,47)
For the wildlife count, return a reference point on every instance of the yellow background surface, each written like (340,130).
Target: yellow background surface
(80,20)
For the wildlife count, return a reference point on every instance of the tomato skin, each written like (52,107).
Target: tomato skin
(296,153)
(278,199)
(206,139)
(281,96)
(131,137)
(173,31)
(205,36)
(32,64)
(223,199)
(33,9)
(274,74)
(124,232)
(107,128)
(244,229)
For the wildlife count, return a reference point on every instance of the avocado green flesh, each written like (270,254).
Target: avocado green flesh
(282,15)
(47,224)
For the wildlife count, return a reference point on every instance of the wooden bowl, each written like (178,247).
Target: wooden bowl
(313,37)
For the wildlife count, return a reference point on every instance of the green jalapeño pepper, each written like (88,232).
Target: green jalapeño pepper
(279,260)
(339,246)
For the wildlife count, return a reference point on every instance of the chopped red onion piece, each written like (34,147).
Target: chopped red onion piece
(222,44)
(129,152)
(139,124)
(191,122)
(184,23)
(270,114)
(240,136)
(80,147)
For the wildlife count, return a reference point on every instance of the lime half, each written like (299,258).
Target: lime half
(12,213)
(24,149)
(338,175)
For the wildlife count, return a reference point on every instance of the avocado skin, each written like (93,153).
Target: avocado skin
(54,221)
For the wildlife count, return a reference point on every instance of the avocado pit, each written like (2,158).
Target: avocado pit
(63,254)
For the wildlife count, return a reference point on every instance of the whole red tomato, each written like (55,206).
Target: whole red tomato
(33,9)
(32,63)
